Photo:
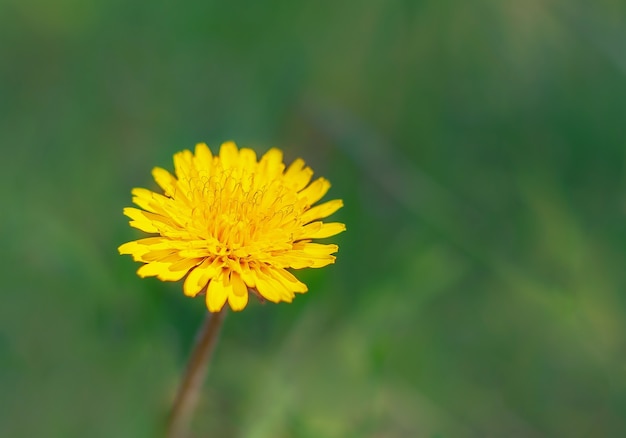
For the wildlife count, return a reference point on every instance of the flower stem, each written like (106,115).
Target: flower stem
(187,397)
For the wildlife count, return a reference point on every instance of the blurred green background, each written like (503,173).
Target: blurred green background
(480,290)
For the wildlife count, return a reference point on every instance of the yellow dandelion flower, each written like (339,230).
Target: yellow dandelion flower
(233,225)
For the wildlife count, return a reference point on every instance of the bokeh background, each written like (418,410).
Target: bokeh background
(480,290)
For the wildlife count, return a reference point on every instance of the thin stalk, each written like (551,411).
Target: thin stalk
(187,397)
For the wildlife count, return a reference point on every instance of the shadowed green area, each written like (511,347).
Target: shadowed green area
(480,290)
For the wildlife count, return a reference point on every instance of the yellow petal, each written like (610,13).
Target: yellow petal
(295,167)
(193,284)
(139,220)
(271,164)
(306,231)
(203,159)
(293,259)
(279,288)
(316,249)
(238,298)
(142,246)
(183,164)
(217,293)
(132,248)
(265,288)
(315,191)
(290,281)
(229,155)
(323,261)
(247,275)
(307,255)
(172,275)
(185,264)
(326,230)
(195,253)
(158,255)
(153,269)
(297,175)
(152,241)
(239,286)
(247,160)
(238,302)
(146,221)
(148,200)
(318,254)
(212,271)
(321,211)
(165,180)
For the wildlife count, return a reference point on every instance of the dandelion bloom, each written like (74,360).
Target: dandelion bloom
(233,225)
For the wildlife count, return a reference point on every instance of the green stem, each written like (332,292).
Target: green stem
(187,397)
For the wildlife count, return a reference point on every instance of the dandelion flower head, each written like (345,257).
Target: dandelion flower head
(233,225)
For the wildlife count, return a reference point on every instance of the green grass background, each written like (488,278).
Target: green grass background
(480,290)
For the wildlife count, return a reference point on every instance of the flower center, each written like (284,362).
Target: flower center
(244,213)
